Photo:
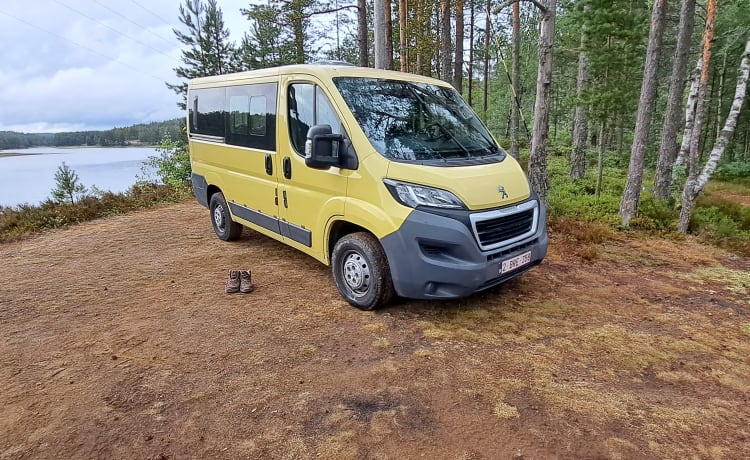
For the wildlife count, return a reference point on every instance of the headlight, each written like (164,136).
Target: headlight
(413,195)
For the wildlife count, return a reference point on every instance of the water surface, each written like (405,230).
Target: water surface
(29,176)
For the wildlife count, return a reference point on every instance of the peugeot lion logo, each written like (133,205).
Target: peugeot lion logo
(501,191)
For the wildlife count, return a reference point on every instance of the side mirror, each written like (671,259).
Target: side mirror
(322,147)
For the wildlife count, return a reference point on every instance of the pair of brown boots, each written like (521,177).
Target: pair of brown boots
(239,281)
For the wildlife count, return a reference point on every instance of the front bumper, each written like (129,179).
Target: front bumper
(435,256)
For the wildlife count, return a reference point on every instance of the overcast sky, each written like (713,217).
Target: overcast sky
(68,65)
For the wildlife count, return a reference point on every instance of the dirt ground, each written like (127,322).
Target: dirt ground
(117,341)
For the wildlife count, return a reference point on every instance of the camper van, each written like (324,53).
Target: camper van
(387,177)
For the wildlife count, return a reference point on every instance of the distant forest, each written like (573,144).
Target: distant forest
(143,133)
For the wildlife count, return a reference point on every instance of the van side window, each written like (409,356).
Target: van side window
(252,115)
(308,106)
(207,113)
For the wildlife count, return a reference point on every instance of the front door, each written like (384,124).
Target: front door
(309,197)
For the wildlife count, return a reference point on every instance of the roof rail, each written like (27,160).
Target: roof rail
(332,62)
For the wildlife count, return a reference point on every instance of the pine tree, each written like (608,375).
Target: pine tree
(632,193)
(67,185)
(209,51)
(268,43)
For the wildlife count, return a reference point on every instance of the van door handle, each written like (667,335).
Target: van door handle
(269,164)
(287,167)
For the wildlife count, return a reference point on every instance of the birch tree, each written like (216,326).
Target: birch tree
(690,106)
(691,188)
(668,147)
(694,187)
(632,193)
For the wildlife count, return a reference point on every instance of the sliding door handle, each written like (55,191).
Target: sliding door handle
(287,165)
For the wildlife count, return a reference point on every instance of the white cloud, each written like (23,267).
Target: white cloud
(76,64)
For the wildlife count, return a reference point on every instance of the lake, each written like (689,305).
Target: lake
(30,176)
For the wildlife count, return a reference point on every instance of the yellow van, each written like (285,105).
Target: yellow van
(390,178)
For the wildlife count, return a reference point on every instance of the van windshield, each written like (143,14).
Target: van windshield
(418,122)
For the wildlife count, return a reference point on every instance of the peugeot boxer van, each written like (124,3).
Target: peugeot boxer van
(390,178)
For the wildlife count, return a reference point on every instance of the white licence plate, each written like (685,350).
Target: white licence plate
(515,262)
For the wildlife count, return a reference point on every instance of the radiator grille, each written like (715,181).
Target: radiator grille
(496,229)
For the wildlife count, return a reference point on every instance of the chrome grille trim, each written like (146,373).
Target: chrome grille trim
(499,215)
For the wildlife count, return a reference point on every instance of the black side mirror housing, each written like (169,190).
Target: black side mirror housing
(322,147)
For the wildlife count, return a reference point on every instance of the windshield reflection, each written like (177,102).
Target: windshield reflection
(407,121)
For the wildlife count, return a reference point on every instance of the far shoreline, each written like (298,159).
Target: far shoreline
(19,151)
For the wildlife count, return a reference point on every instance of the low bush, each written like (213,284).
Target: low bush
(24,219)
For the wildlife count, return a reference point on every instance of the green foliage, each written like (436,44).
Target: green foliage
(138,134)
(209,51)
(67,185)
(716,219)
(172,165)
(735,171)
(722,227)
(25,219)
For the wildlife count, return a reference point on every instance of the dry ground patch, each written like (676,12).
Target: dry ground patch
(117,341)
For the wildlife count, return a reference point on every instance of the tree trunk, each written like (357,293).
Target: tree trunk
(388,35)
(379,33)
(720,91)
(600,159)
(364,58)
(515,79)
(402,35)
(486,57)
(472,17)
(691,189)
(458,64)
(690,106)
(632,194)
(298,29)
(446,48)
(668,147)
(580,120)
(538,157)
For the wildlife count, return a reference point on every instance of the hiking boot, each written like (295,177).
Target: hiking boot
(233,283)
(246,282)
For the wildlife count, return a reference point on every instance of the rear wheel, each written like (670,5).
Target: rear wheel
(224,227)
(361,271)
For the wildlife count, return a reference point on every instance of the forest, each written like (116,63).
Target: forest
(138,134)
(655,86)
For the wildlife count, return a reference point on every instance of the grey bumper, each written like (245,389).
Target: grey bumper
(437,256)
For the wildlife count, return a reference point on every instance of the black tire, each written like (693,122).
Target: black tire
(361,271)
(224,227)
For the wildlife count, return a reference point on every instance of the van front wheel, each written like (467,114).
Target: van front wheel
(224,227)
(361,271)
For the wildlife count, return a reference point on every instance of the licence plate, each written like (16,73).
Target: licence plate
(515,262)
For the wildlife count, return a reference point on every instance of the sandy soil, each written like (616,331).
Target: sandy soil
(117,341)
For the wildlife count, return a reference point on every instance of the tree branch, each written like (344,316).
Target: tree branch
(507,3)
(332,10)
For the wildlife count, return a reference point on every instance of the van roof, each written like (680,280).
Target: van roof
(322,71)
